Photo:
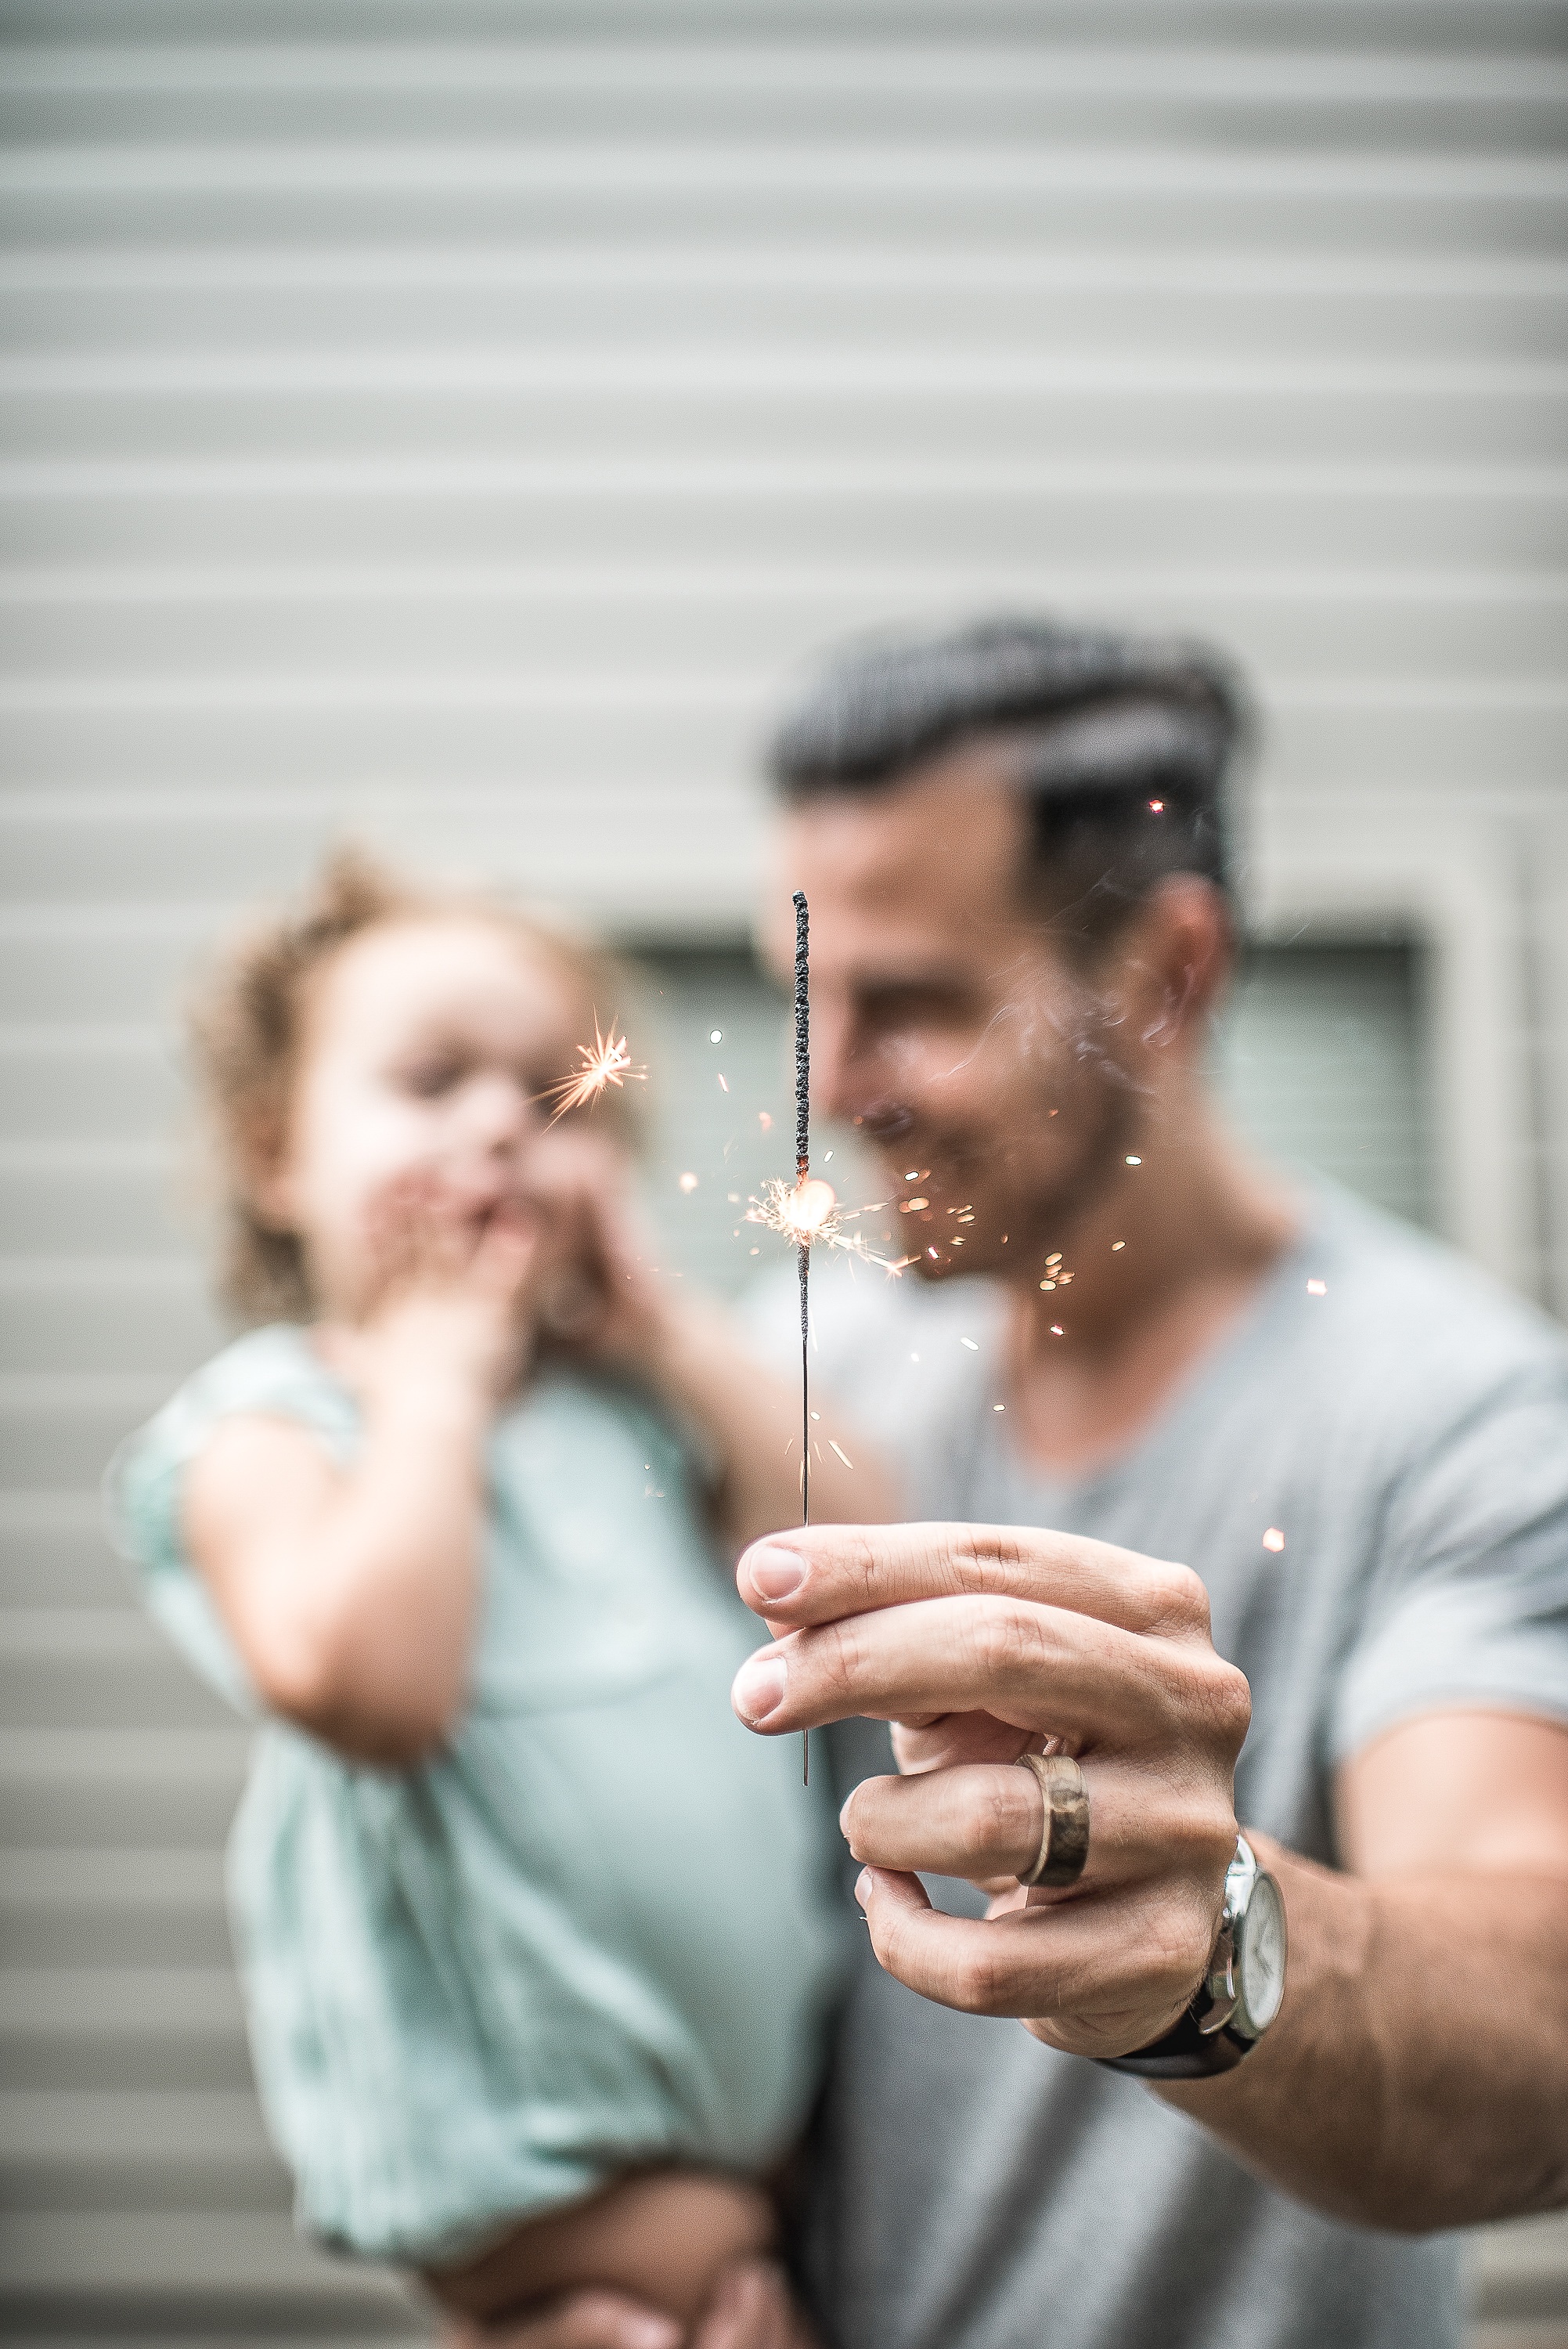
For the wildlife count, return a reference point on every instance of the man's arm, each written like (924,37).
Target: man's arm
(1417,2077)
(1421,2053)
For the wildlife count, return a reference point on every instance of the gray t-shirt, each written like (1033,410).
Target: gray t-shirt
(1403,1425)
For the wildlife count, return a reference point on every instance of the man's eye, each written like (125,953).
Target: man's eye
(912,1008)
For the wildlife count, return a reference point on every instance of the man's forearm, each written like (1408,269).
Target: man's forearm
(1415,2078)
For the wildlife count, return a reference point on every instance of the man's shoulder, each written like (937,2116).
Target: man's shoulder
(1401,1306)
(1389,1363)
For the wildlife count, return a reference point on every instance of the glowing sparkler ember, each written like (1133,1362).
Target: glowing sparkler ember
(607,1060)
(809,1207)
(808,1214)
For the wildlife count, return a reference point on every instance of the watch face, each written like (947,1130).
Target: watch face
(1260,1957)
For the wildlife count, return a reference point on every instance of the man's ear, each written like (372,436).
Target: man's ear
(1176,955)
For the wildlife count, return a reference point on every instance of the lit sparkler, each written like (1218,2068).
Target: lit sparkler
(809,1215)
(813,1209)
(607,1060)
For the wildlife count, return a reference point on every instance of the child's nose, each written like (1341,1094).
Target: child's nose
(499,1110)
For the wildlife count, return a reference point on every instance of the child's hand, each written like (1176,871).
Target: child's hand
(752,2308)
(598,1297)
(447,1299)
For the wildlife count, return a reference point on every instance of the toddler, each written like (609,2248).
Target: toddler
(537,1941)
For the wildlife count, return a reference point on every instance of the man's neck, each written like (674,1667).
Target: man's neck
(1167,1257)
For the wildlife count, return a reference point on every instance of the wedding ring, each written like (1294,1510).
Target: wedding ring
(1064,1836)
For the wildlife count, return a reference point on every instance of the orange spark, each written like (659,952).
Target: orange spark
(607,1060)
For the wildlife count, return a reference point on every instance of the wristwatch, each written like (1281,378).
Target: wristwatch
(1238,1996)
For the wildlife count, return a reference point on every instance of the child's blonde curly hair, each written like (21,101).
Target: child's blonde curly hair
(246,1026)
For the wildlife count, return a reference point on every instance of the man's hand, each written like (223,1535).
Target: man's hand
(751,2309)
(981,1643)
(1397,2089)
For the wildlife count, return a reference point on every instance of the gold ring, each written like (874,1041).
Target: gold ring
(1064,1835)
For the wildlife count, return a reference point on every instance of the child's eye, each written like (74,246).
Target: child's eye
(428,1080)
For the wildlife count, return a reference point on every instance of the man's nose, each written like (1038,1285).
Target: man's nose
(837,1081)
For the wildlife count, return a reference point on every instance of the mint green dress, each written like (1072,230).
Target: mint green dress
(598,1930)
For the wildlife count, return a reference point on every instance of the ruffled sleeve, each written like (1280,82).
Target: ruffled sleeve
(271,1371)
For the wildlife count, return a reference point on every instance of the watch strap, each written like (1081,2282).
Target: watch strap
(1184,2054)
(1207,2038)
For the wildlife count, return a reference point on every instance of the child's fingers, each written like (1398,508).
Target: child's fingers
(507,1251)
(588,2320)
(751,2309)
(401,1228)
(421,1229)
(581,1183)
(571,1308)
(447,1243)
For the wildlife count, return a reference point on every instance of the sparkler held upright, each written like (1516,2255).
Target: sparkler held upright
(803,1171)
(803,1246)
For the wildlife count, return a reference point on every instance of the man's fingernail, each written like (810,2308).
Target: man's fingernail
(775,1572)
(863,1886)
(759,1688)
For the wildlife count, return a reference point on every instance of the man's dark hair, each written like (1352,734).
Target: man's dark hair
(1123,747)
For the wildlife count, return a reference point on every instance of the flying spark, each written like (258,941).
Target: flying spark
(607,1060)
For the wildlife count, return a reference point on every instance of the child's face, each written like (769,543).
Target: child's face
(427,1043)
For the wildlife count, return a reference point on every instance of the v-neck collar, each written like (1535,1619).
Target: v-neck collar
(1201,1389)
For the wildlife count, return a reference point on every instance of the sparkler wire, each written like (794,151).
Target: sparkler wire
(803,1248)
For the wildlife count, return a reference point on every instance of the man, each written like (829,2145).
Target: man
(1352,1451)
